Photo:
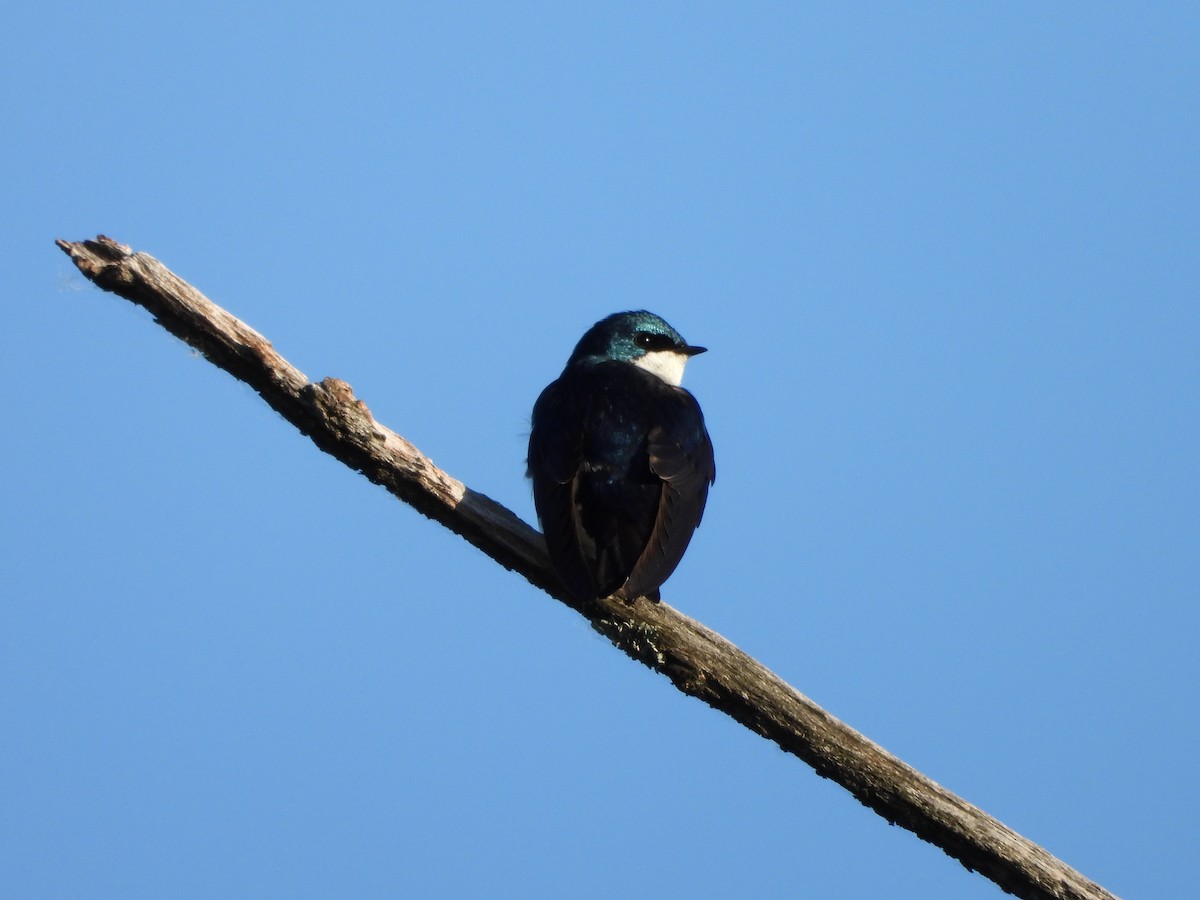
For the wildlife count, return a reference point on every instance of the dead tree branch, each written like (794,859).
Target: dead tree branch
(698,661)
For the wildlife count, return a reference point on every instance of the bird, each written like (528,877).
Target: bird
(620,460)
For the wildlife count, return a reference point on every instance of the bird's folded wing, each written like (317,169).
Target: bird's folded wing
(554,459)
(681,454)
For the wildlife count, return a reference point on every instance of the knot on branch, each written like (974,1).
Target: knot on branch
(334,404)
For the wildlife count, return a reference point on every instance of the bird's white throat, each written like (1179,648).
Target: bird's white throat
(666,364)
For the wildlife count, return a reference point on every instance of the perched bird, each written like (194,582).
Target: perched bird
(620,459)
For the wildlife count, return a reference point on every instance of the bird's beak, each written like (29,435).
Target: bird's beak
(692,351)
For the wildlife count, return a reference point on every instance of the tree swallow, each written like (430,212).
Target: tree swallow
(620,459)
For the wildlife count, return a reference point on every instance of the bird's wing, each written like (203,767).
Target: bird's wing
(681,454)
(555,455)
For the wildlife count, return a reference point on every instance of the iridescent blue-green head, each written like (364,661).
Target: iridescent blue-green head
(640,338)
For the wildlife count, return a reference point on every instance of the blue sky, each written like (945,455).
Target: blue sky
(945,258)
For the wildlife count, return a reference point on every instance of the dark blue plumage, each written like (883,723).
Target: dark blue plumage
(620,459)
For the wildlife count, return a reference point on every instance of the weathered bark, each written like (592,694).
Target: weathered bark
(698,661)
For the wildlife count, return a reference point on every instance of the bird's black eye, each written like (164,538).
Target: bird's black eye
(649,340)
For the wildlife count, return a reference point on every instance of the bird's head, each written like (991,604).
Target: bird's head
(640,338)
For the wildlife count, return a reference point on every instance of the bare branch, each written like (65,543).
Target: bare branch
(698,661)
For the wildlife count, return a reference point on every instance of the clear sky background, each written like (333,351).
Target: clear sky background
(946,258)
